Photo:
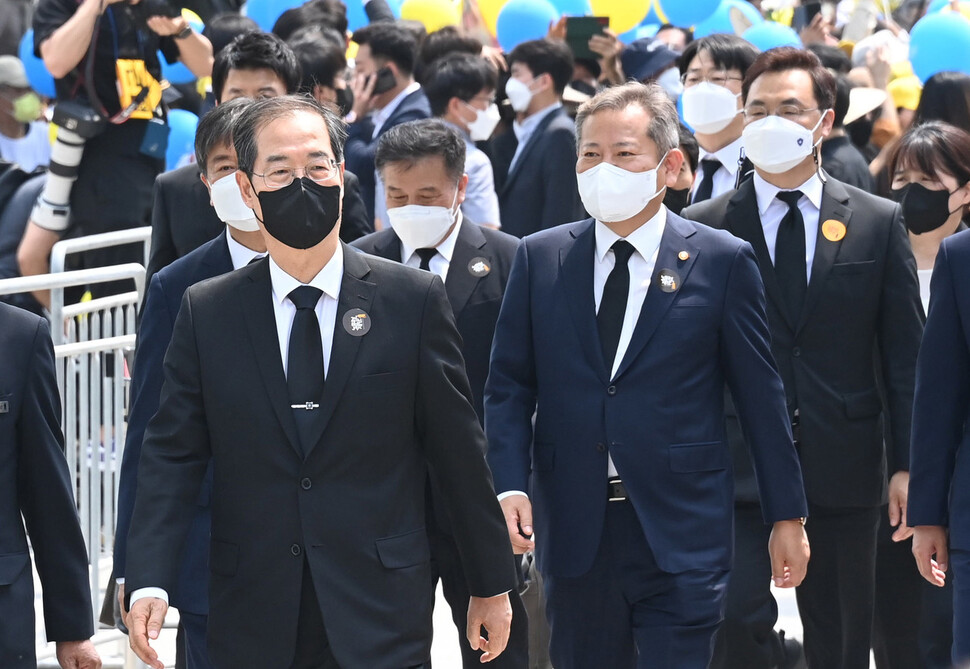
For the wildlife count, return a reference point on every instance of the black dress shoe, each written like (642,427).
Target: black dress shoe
(793,654)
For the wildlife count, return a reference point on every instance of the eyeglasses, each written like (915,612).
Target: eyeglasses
(718,78)
(281,177)
(788,112)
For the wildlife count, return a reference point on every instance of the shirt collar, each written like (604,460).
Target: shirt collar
(766,192)
(385,113)
(327,279)
(645,239)
(728,155)
(446,248)
(525,128)
(461,131)
(241,256)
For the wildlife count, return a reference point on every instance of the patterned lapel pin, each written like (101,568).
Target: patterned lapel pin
(668,280)
(357,322)
(479,267)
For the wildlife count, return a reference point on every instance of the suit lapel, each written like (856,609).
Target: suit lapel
(256,299)
(218,256)
(387,245)
(461,283)
(657,302)
(576,276)
(834,197)
(355,293)
(530,144)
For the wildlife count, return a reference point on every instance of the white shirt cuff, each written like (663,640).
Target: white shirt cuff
(509,493)
(120,581)
(145,593)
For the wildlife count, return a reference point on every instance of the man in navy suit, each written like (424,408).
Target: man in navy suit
(619,333)
(533,164)
(939,483)
(236,247)
(385,95)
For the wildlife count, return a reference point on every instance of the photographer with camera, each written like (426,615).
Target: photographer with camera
(112,133)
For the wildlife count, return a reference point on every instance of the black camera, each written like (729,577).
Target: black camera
(160,8)
(79,118)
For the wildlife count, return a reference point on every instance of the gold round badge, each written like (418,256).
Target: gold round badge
(833,230)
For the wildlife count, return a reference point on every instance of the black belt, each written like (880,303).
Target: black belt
(616,491)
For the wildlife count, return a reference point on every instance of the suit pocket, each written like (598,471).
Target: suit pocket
(863,404)
(12,566)
(704,457)
(853,267)
(224,558)
(404,550)
(385,382)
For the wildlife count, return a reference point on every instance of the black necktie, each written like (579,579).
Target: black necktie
(426,255)
(706,188)
(790,255)
(609,319)
(304,364)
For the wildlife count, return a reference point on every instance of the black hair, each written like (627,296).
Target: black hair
(832,57)
(688,33)
(933,148)
(546,56)
(727,52)
(843,95)
(225,27)
(946,97)
(443,42)
(254,51)
(689,147)
(389,41)
(459,76)
(320,52)
(784,58)
(410,142)
(215,128)
(327,13)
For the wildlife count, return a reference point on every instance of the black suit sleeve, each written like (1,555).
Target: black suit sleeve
(163,247)
(353,223)
(561,202)
(46,496)
(378,10)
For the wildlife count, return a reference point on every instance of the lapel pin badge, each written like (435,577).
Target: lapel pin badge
(479,266)
(4,406)
(668,280)
(833,230)
(357,322)
(683,255)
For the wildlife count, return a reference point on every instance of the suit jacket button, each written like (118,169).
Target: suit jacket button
(295,549)
(600,447)
(796,352)
(611,391)
(306,484)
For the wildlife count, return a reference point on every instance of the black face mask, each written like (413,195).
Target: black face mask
(345,100)
(923,209)
(302,214)
(676,200)
(860,132)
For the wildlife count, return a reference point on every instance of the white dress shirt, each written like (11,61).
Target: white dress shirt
(523,131)
(442,261)
(328,280)
(773,210)
(240,255)
(726,175)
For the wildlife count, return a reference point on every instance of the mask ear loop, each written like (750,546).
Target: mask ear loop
(815,152)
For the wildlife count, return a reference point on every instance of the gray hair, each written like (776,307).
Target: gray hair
(215,128)
(261,113)
(664,122)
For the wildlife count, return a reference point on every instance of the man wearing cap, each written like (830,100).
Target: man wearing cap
(650,59)
(23,135)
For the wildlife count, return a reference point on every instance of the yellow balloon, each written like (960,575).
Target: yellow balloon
(624,14)
(964,8)
(489,10)
(434,14)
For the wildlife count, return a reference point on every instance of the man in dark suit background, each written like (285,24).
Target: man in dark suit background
(385,94)
(421,164)
(533,163)
(254,65)
(240,243)
(618,334)
(841,285)
(347,385)
(37,489)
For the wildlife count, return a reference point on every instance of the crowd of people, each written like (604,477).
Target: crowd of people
(606,345)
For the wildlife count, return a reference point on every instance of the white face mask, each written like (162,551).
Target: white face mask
(775,144)
(709,108)
(422,227)
(519,94)
(229,205)
(612,194)
(485,121)
(669,80)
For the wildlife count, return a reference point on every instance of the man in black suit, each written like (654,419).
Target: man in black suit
(842,297)
(421,164)
(385,95)
(533,164)
(347,385)
(36,486)
(254,65)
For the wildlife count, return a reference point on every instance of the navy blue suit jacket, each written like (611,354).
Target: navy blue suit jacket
(158,318)
(661,417)
(939,475)
(540,191)
(362,145)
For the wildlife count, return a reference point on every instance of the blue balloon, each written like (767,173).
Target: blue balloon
(687,14)
(652,18)
(37,75)
(265,12)
(357,17)
(523,20)
(720,20)
(768,35)
(937,6)
(181,138)
(176,73)
(940,43)
(572,7)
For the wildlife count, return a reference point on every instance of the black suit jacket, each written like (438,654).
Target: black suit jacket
(540,191)
(396,403)
(183,219)
(863,299)
(35,482)
(475,300)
